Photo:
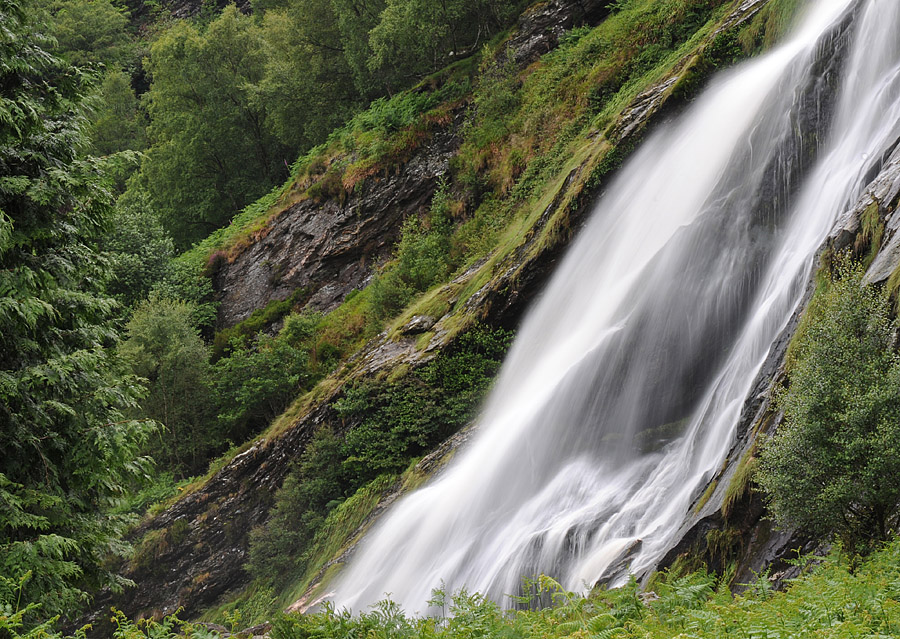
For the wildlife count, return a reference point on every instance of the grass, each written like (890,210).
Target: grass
(741,481)
(835,597)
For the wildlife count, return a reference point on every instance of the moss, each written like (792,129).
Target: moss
(871,233)
(337,533)
(156,544)
(822,284)
(259,320)
(723,545)
(706,495)
(769,25)
(424,340)
(741,482)
(684,564)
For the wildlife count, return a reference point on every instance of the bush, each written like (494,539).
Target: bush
(165,347)
(832,465)
(424,257)
(256,382)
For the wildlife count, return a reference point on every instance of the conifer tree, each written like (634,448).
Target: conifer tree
(67,449)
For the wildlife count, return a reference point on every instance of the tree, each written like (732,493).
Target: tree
(117,123)
(212,151)
(416,37)
(90,32)
(141,251)
(308,88)
(68,449)
(164,346)
(257,381)
(833,463)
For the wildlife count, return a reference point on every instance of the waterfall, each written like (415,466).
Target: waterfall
(621,394)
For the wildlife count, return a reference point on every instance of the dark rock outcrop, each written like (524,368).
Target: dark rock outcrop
(540,29)
(330,248)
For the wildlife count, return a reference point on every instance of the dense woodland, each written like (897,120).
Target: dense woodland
(137,148)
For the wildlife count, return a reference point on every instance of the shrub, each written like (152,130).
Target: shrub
(256,382)
(164,346)
(832,465)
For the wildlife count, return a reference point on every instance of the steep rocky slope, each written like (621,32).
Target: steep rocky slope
(193,553)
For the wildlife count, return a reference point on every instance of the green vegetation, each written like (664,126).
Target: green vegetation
(164,347)
(830,599)
(69,451)
(388,425)
(199,120)
(831,465)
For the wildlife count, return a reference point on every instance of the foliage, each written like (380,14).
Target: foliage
(833,602)
(164,347)
(300,509)
(183,281)
(307,86)
(414,37)
(831,465)
(118,123)
(90,32)
(68,449)
(211,151)
(424,257)
(394,423)
(256,382)
(140,250)
(260,319)
(402,420)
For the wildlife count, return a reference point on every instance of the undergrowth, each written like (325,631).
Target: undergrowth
(829,600)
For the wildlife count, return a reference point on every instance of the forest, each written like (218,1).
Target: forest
(148,144)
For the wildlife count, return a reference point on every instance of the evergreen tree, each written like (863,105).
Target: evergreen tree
(67,448)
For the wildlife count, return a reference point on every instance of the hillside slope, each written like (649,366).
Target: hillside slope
(324,235)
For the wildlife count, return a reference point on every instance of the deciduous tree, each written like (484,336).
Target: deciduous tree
(833,464)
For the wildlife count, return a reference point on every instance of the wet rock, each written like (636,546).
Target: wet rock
(620,565)
(330,248)
(644,106)
(885,190)
(418,324)
(540,29)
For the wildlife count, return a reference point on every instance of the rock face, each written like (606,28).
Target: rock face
(330,248)
(540,29)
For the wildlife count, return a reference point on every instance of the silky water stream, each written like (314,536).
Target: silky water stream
(621,394)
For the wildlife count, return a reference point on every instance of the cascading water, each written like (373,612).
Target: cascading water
(621,394)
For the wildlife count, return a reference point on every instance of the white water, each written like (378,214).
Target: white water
(662,313)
